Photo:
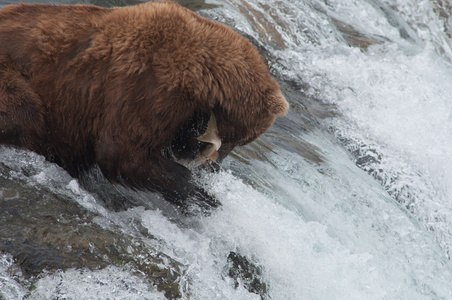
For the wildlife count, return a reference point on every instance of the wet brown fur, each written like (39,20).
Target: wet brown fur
(84,85)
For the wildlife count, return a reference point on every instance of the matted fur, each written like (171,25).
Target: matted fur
(84,85)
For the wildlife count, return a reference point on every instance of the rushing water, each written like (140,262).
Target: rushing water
(347,197)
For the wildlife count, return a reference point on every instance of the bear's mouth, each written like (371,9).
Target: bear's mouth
(197,142)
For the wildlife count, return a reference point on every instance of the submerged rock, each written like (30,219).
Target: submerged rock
(46,232)
(247,274)
(356,38)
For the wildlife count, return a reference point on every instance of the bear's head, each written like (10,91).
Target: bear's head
(206,88)
(213,134)
(218,85)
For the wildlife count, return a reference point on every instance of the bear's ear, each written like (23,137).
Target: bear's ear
(278,104)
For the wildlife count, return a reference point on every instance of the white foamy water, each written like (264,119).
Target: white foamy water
(9,287)
(109,283)
(371,219)
(393,97)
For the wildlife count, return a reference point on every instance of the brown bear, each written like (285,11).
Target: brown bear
(136,90)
